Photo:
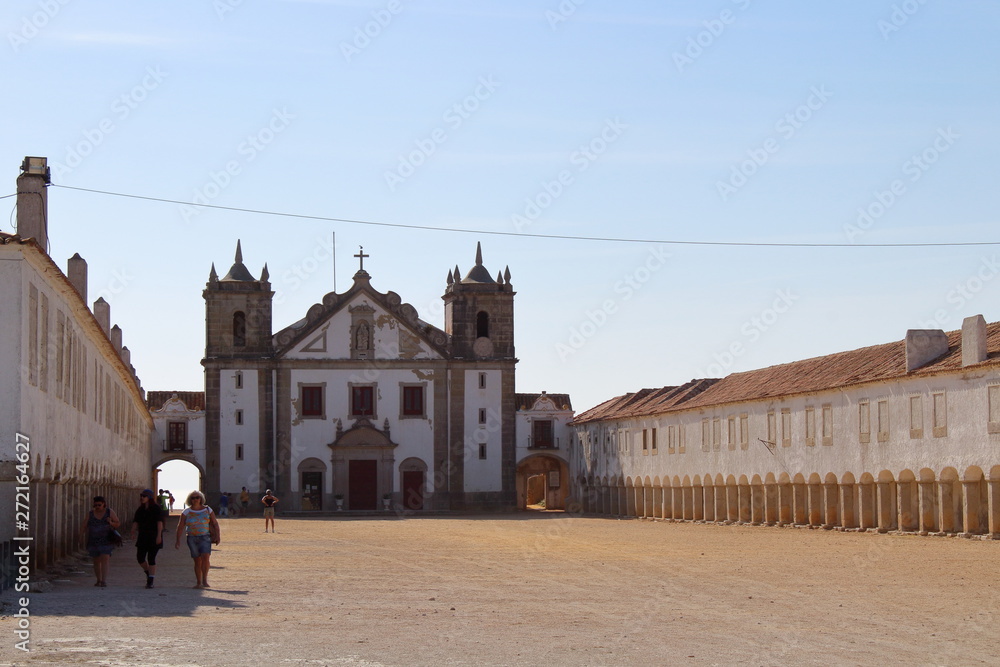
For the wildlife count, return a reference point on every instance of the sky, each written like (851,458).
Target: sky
(679,189)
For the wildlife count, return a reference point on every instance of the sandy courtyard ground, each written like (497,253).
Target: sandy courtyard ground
(529,589)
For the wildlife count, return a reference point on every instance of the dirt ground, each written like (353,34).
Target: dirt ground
(528,589)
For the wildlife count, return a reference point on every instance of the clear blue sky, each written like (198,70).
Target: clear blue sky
(725,121)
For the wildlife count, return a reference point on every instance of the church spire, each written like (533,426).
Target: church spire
(239,252)
(479,253)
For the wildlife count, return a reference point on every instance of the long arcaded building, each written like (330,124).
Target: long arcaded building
(903,436)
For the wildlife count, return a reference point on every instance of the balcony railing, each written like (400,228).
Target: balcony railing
(543,444)
(174,446)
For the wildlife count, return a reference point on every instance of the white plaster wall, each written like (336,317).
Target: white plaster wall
(61,433)
(11,296)
(966,444)
(561,431)
(482,475)
(310,437)
(236,474)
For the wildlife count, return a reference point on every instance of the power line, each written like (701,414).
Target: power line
(565,237)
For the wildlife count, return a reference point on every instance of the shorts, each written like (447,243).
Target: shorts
(199,545)
(103,550)
(268,512)
(146,550)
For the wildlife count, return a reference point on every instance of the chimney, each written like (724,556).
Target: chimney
(102,311)
(924,345)
(116,338)
(33,201)
(76,269)
(973,340)
(126,356)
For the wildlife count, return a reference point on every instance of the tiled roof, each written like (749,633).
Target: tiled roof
(194,400)
(525,401)
(833,371)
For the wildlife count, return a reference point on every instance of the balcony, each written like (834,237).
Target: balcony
(182,446)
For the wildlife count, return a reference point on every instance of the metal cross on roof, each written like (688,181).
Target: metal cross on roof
(361,256)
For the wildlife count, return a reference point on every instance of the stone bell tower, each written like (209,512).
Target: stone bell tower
(479,313)
(237,313)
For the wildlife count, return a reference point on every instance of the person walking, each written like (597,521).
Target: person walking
(96,529)
(244,501)
(147,531)
(223,505)
(202,532)
(269,502)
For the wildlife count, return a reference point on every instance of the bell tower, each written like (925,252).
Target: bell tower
(479,313)
(237,313)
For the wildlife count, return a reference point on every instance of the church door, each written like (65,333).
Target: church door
(362,483)
(413,489)
(312,490)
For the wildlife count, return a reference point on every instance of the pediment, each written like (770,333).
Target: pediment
(362,434)
(329,329)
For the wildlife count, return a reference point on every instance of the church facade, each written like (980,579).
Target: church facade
(360,403)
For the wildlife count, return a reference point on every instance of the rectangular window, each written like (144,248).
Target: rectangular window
(239,379)
(706,436)
(542,435)
(176,436)
(882,415)
(482,415)
(653,443)
(43,372)
(239,452)
(716,434)
(827,425)
(810,427)
(681,440)
(865,422)
(362,401)
(413,400)
(482,450)
(744,431)
(731,428)
(238,417)
(916,417)
(671,439)
(645,442)
(772,431)
(786,427)
(482,380)
(311,400)
(993,395)
(940,415)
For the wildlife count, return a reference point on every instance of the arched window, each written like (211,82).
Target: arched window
(482,324)
(239,329)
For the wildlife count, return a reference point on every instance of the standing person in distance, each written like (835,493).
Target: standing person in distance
(147,531)
(269,503)
(202,532)
(96,529)
(223,504)
(244,501)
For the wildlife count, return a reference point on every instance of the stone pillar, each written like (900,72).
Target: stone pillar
(884,502)
(698,502)
(830,502)
(993,491)
(970,506)
(848,516)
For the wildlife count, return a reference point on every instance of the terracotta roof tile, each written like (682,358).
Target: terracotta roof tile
(194,400)
(833,371)
(525,401)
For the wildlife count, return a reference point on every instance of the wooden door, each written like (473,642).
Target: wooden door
(413,489)
(362,484)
